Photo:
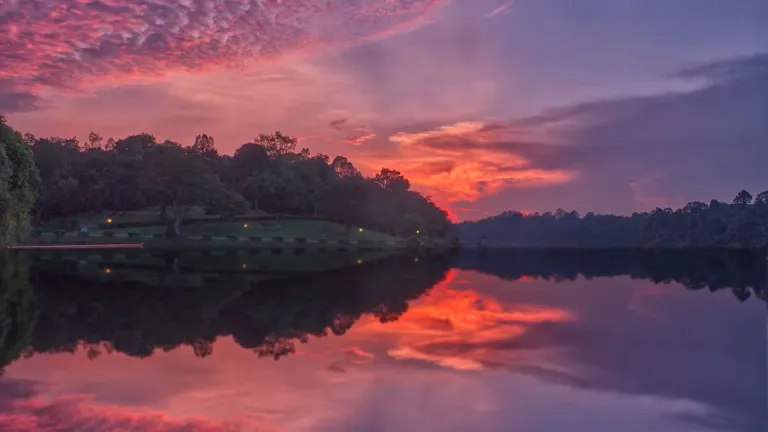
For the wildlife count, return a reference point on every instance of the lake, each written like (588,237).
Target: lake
(497,340)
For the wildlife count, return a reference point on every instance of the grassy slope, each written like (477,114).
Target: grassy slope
(288,229)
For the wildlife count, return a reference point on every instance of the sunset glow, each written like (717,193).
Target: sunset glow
(478,105)
(457,327)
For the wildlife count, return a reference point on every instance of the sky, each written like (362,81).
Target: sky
(473,353)
(485,105)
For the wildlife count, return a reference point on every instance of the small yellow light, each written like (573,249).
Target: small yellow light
(109,220)
(244,266)
(107,270)
(361,230)
(359,261)
(417,231)
(416,259)
(245,226)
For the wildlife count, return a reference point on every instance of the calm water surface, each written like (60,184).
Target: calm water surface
(506,341)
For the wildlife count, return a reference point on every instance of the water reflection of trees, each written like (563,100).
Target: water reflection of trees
(137,308)
(742,271)
(268,314)
(17,308)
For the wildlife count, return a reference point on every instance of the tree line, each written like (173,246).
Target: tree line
(742,223)
(269,174)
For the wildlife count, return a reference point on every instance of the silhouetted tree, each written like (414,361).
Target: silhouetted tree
(762,198)
(94,141)
(276,145)
(205,146)
(743,198)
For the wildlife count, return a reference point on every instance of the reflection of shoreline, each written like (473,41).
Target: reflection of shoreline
(743,271)
(141,304)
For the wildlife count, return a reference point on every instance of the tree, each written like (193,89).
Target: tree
(110,145)
(743,198)
(205,146)
(134,145)
(18,181)
(345,200)
(762,198)
(94,141)
(694,207)
(392,180)
(276,145)
(412,224)
(225,202)
(275,190)
(183,180)
(248,159)
(344,168)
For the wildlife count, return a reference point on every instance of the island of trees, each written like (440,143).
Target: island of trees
(743,223)
(53,178)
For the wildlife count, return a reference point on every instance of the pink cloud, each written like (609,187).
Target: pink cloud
(69,44)
(501,9)
(363,136)
(359,355)
(80,413)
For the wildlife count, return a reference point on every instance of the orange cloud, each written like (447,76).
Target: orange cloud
(359,355)
(469,160)
(456,328)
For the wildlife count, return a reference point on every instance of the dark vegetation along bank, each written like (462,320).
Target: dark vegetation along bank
(164,189)
(743,223)
(18,183)
(74,180)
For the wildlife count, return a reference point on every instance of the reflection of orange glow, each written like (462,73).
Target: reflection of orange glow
(453,362)
(82,413)
(456,328)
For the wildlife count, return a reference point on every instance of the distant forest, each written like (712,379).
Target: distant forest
(136,172)
(740,224)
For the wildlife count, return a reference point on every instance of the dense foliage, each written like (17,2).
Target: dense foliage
(744,223)
(17,184)
(268,174)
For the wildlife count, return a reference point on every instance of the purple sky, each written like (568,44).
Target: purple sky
(486,105)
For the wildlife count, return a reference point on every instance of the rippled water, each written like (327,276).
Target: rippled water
(496,341)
